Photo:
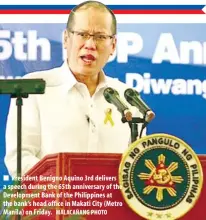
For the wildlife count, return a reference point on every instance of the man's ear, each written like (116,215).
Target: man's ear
(66,36)
(114,44)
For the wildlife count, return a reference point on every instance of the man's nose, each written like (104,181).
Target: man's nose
(90,43)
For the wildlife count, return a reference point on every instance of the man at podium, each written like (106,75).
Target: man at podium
(73,115)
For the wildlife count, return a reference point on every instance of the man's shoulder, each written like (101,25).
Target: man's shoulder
(52,76)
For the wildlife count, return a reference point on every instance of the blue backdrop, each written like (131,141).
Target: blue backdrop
(164,62)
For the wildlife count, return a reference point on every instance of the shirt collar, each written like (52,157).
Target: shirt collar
(71,80)
(69,77)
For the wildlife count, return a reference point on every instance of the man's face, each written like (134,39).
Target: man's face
(87,55)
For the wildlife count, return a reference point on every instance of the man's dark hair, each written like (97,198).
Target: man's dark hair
(91,4)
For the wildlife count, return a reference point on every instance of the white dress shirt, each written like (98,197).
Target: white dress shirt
(66,119)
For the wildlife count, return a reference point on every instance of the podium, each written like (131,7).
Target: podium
(89,171)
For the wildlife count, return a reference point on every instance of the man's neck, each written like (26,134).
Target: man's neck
(90,81)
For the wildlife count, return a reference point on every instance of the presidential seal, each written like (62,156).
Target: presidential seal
(160,177)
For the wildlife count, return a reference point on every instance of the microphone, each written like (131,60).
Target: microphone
(133,97)
(112,96)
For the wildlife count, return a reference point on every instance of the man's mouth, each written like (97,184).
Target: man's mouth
(88,59)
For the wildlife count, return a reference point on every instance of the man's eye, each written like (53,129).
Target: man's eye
(101,37)
(82,34)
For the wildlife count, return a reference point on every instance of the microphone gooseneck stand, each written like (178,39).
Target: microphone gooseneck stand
(133,124)
(19,103)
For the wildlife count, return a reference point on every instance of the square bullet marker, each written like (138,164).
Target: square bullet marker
(6,177)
